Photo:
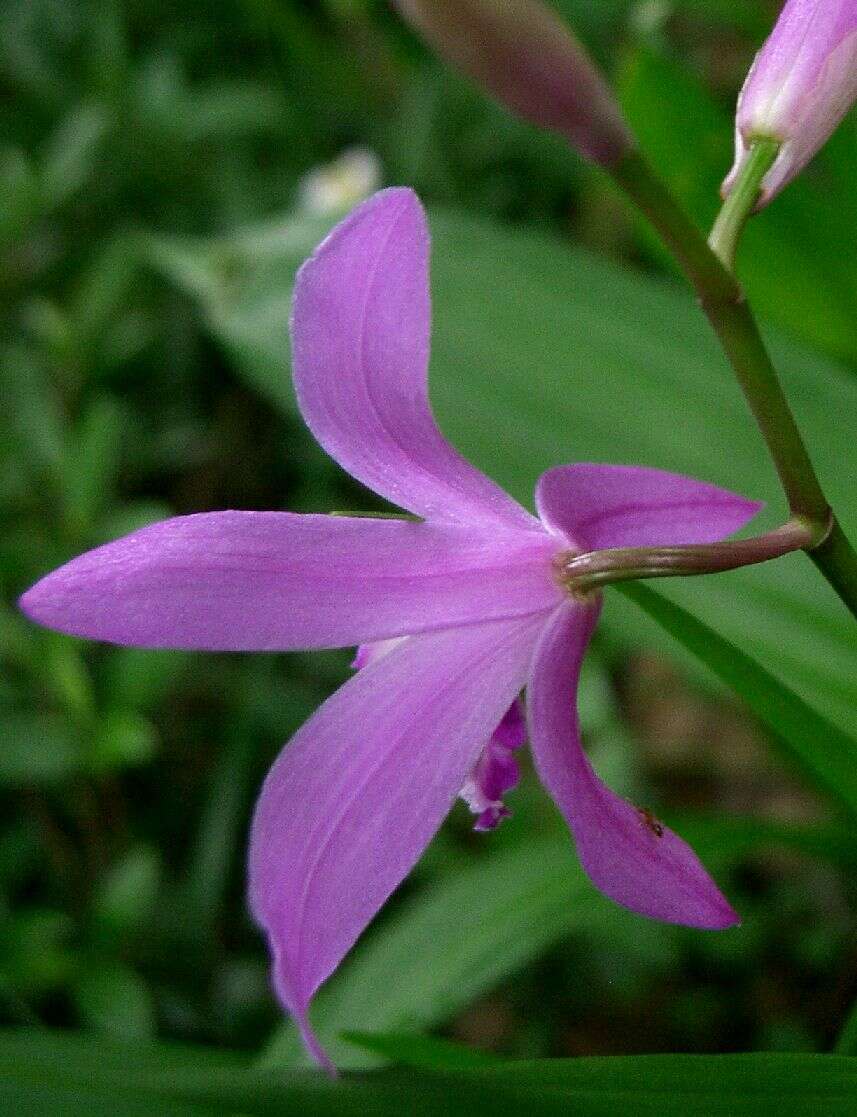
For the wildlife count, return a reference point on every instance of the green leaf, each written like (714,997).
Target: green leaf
(243,285)
(826,754)
(36,954)
(70,154)
(125,898)
(113,999)
(140,679)
(91,463)
(421,1051)
(219,833)
(46,1074)
(751,18)
(37,749)
(32,419)
(122,738)
(587,17)
(543,354)
(727,838)
(66,1074)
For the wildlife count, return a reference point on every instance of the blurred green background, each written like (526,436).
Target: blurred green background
(164,168)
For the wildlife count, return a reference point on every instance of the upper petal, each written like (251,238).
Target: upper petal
(360,347)
(628,854)
(259,581)
(355,797)
(598,506)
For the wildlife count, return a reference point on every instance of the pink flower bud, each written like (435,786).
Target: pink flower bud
(522,54)
(801,84)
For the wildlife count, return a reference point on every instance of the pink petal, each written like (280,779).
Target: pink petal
(353,800)
(239,581)
(360,347)
(511,733)
(598,506)
(628,854)
(496,771)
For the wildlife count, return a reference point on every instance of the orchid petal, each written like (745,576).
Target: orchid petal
(360,346)
(353,800)
(259,581)
(628,854)
(511,733)
(597,506)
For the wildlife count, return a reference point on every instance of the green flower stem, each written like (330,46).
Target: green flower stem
(725,306)
(741,202)
(590,571)
(837,562)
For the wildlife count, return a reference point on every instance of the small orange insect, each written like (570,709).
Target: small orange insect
(650,822)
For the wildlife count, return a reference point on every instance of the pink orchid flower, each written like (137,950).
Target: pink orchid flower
(358,793)
(801,84)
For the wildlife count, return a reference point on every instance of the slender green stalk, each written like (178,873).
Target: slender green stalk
(726,308)
(835,558)
(741,202)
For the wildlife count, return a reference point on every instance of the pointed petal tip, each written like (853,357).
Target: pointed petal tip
(313,1046)
(403,196)
(41,605)
(395,201)
(673,888)
(297,1007)
(28,603)
(729,919)
(691,899)
(713,914)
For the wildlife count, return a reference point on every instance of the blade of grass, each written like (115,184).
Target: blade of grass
(824,753)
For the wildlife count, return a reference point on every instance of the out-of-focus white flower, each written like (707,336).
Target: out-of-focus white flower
(341,184)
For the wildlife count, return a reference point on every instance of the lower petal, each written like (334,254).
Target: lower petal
(627,853)
(353,800)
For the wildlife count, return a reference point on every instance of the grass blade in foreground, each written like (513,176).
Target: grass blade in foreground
(47,1074)
(822,750)
(422,1051)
